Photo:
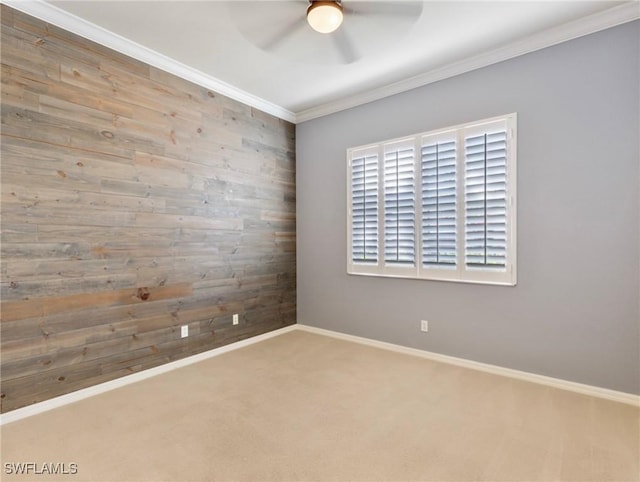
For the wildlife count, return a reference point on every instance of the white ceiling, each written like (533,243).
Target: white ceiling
(234,44)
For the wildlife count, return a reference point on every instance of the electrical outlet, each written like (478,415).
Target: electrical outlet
(424,325)
(235,319)
(184,331)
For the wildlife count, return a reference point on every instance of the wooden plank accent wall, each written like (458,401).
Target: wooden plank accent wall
(133,202)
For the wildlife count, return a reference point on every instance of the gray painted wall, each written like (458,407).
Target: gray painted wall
(575,311)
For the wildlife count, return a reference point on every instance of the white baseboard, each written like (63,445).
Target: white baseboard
(591,390)
(76,396)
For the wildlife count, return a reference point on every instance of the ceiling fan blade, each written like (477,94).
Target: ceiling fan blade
(345,46)
(288,30)
(388,9)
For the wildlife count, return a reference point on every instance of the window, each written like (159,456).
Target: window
(438,205)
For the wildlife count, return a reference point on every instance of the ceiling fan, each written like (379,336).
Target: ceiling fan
(349,26)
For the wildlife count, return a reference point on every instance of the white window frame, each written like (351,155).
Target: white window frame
(461,272)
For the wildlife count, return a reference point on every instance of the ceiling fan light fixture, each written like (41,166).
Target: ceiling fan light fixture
(324,16)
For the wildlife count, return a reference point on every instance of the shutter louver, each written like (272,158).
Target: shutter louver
(486,200)
(364,209)
(399,205)
(439,204)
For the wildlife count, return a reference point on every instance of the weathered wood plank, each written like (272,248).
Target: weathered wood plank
(7,17)
(132,202)
(14,288)
(61,43)
(18,96)
(14,310)
(26,390)
(63,322)
(27,55)
(59,131)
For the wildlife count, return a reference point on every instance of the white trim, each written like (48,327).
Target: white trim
(41,407)
(461,272)
(613,395)
(76,396)
(56,16)
(618,15)
(47,12)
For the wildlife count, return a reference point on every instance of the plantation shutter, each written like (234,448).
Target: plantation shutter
(438,183)
(439,205)
(399,203)
(486,198)
(364,207)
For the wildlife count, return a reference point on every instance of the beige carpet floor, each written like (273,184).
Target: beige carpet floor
(302,406)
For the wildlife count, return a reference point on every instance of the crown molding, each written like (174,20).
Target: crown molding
(618,15)
(47,12)
(60,18)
